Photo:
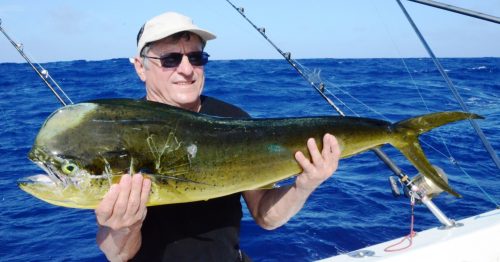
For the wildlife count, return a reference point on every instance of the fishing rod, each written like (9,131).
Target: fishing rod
(288,56)
(414,188)
(40,71)
(452,87)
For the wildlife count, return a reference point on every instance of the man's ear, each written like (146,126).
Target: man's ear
(139,68)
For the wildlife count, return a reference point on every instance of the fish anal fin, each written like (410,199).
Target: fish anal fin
(177,177)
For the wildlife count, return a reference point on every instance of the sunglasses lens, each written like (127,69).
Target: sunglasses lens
(171,60)
(174,59)
(198,58)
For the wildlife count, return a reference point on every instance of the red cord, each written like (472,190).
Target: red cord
(409,237)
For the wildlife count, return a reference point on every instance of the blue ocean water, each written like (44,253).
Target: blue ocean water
(353,209)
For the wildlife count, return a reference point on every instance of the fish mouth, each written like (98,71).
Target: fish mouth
(46,162)
(38,179)
(56,189)
(43,187)
(52,175)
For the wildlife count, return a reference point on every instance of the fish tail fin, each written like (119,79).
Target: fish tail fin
(406,141)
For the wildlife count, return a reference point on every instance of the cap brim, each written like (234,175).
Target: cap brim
(205,35)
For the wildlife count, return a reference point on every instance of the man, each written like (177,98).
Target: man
(171,62)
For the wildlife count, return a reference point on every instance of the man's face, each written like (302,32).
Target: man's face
(179,86)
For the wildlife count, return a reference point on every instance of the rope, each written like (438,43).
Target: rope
(476,183)
(408,237)
(314,76)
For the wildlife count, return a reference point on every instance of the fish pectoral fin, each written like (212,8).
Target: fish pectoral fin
(270,186)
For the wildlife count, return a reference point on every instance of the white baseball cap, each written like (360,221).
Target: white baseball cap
(166,25)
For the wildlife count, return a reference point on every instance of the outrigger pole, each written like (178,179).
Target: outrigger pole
(459,10)
(320,87)
(453,89)
(41,72)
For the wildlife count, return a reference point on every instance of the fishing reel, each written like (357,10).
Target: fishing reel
(425,186)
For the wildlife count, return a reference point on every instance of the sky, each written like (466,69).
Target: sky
(62,30)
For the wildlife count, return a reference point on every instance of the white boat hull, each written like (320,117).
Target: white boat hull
(478,239)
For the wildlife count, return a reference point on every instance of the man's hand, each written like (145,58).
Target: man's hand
(322,164)
(120,215)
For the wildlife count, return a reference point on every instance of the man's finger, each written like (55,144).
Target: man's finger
(134,200)
(313,150)
(122,201)
(146,189)
(105,209)
(304,162)
(329,147)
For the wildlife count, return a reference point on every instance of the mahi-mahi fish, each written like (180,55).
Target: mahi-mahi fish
(84,148)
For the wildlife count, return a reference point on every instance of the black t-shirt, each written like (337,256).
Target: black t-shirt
(197,231)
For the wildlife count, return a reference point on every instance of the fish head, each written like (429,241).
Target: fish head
(66,181)
(72,172)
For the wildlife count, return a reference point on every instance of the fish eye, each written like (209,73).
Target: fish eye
(69,168)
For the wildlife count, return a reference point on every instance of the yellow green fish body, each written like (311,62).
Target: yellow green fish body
(86,147)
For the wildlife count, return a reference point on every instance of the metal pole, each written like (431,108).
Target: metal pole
(447,223)
(43,75)
(474,124)
(459,10)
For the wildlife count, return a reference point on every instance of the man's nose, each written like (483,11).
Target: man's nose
(185,66)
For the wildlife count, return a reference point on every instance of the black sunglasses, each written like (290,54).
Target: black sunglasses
(171,60)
